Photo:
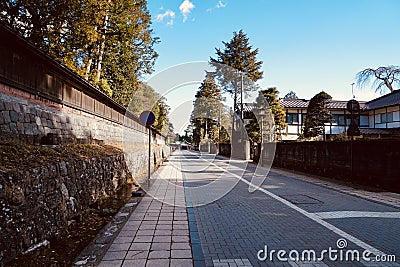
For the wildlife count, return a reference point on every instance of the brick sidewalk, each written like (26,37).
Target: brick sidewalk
(157,233)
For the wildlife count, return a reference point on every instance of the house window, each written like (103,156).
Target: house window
(292,118)
(364,121)
(390,117)
(338,119)
(387,117)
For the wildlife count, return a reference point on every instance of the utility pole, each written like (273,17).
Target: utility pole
(241,96)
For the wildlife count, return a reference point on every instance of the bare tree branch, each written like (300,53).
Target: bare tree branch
(382,78)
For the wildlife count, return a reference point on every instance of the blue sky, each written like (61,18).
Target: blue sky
(306,46)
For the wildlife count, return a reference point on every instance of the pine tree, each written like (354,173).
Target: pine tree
(317,115)
(207,110)
(267,100)
(271,97)
(237,66)
(291,95)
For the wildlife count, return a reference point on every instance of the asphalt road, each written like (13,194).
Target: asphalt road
(285,222)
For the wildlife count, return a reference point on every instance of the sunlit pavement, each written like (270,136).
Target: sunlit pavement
(286,213)
(157,232)
(226,225)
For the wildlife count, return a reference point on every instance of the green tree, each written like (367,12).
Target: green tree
(207,110)
(267,100)
(317,115)
(237,67)
(271,97)
(161,110)
(148,99)
(291,95)
(382,78)
(128,51)
(253,129)
(107,42)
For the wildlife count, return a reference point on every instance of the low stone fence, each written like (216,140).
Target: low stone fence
(368,162)
(39,202)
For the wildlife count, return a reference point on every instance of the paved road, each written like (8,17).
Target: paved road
(283,214)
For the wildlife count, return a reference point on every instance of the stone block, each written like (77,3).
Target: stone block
(43,122)
(8,106)
(38,121)
(50,124)
(13,128)
(32,110)
(32,118)
(6,116)
(20,127)
(13,116)
(16,107)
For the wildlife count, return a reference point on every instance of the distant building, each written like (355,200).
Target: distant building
(384,113)
(378,118)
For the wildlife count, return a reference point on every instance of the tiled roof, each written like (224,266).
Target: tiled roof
(303,103)
(377,131)
(385,101)
(294,103)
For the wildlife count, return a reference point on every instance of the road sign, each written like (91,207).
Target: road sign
(147,118)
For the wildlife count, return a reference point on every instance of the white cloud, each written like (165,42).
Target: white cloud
(220,4)
(186,7)
(167,14)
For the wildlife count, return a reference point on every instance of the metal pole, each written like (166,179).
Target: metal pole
(241,96)
(351,158)
(219,126)
(148,170)
(262,141)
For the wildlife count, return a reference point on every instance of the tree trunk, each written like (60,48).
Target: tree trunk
(102,45)
(388,85)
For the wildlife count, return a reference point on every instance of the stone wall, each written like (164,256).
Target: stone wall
(42,101)
(37,203)
(368,162)
(28,120)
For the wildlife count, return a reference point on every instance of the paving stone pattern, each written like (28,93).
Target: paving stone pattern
(157,233)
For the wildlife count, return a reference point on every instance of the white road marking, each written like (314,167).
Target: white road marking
(357,214)
(311,216)
(232,263)
(307,264)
